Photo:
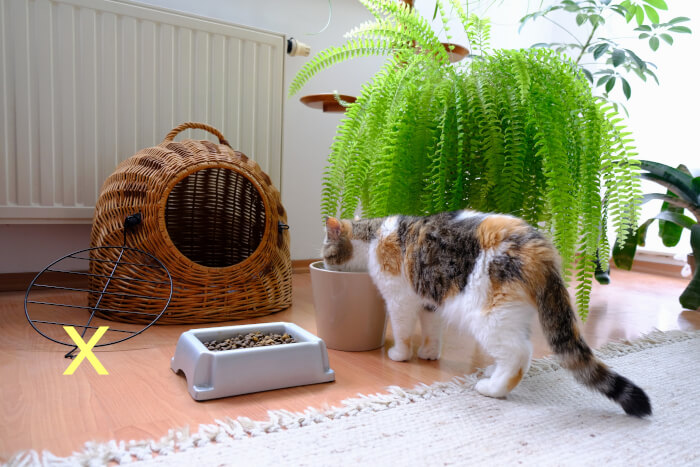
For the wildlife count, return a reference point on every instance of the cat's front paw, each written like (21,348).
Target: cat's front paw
(429,352)
(398,354)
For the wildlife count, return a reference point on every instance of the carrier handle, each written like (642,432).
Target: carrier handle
(195,125)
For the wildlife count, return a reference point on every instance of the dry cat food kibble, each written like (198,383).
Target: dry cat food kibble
(252,339)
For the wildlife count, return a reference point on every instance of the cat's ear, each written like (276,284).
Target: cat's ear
(333,228)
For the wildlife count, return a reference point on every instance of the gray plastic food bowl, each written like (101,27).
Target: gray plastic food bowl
(214,374)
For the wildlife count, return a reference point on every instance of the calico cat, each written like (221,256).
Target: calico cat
(487,274)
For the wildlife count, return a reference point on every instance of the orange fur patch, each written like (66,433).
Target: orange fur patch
(494,229)
(389,254)
(416,239)
(538,259)
(333,225)
(502,293)
(515,379)
(346,228)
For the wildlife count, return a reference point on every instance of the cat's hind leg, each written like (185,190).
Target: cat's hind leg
(431,328)
(506,339)
(512,362)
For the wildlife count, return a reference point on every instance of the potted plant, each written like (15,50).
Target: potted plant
(683,193)
(511,131)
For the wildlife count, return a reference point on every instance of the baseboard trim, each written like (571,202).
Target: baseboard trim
(12,282)
(661,264)
(301,266)
(16,281)
(652,267)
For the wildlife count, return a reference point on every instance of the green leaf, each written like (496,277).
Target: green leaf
(678,219)
(683,182)
(630,12)
(618,57)
(640,63)
(652,14)
(589,75)
(581,18)
(660,4)
(654,43)
(642,232)
(643,27)
(596,20)
(665,198)
(667,38)
(679,19)
(600,50)
(681,29)
(610,84)
(670,232)
(639,15)
(644,35)
(652,74)
(626,88)
(603,80)
(623,253)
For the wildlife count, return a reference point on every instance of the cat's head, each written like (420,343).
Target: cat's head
(342,251)
(337,249)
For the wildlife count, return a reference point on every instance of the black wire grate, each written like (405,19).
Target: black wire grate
(122,280)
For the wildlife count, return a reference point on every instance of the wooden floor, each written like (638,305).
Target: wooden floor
(142,398)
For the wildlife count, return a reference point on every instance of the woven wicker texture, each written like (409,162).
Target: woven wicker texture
(212,216)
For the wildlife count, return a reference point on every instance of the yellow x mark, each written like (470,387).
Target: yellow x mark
(85,350)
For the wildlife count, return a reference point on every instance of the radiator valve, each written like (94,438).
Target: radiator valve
(294,48)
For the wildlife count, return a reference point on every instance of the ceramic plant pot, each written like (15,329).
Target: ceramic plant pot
(350,312)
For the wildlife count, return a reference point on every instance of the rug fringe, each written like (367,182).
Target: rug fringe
(228,430)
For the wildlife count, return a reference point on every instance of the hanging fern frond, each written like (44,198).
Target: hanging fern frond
(513,131)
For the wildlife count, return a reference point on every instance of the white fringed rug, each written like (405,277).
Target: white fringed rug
(548,419)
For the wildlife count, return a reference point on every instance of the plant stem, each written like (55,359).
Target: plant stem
(588,42)
(690,298)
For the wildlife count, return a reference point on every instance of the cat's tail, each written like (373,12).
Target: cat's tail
(559,325)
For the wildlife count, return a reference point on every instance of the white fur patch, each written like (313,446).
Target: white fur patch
(389,226)
(467,305)
(466,214)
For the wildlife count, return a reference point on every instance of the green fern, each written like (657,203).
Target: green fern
(514,131)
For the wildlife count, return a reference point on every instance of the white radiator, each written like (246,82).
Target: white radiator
(85,84)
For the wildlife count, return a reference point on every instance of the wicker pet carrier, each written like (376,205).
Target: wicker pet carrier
(211,216)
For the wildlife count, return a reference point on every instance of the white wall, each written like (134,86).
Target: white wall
(663,118)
